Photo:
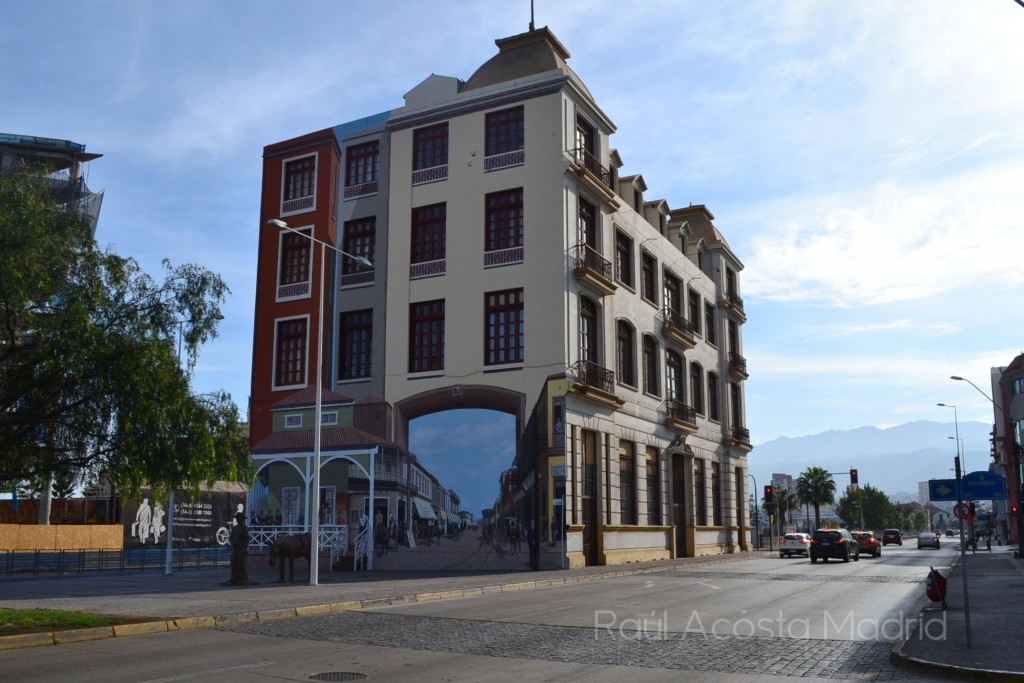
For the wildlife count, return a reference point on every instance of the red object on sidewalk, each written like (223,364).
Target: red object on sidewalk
(935,588)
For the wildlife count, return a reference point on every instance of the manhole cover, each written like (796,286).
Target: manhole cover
(338,676)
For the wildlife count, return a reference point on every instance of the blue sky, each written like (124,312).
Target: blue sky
(863,159)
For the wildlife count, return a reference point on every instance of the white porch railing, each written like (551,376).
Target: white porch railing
(331,536)
(362,549)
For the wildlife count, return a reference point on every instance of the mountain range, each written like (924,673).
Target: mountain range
(893,460)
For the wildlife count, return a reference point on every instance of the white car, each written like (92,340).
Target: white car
(794,544)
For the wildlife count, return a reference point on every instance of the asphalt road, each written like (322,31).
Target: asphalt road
(759,620)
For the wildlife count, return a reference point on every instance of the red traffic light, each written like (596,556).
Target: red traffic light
(853,476)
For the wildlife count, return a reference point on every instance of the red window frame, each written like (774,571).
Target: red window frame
(505,131)
(299,177)
(360,240)
(428,233)
(430,147)
(362,163)
(504,217)
(505,333)
(290,356)
(355,345)
(426,336)
(295,258)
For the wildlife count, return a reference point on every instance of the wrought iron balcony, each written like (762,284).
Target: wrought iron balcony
(593,269)
(734,302)
(589,169)
(739,437)
(677,328)
(592,381)
(738,365)
(680,416)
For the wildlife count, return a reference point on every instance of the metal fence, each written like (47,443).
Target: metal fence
(36,562)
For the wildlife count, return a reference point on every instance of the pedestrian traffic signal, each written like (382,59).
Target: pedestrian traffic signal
(853,476)
(769,495)
(1014,509)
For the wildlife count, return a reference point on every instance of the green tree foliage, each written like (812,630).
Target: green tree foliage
(90,378)
(879,512)
(816,487)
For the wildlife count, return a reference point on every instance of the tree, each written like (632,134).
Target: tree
(816,487)
(90,379)
(787,501)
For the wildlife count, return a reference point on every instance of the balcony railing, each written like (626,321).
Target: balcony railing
(430,175)
(586,161)
(677,328)
(503,257)
(494,162)
(678,412)
(428,269)
(307,203)
(592,375)
(361,190)
(592,268)
(738,365)
(741,435)
(356,472)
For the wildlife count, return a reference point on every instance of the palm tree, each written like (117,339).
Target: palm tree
(816,486)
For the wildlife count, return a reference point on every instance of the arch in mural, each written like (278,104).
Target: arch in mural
(458,397)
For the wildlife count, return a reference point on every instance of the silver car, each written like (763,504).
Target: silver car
(928,539)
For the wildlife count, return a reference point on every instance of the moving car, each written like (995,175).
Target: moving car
(892,536)
(928,538)
(794,544)
(868,543)
(950,533)
(834,543)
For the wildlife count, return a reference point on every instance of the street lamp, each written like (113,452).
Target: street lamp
(314,506)
(956,425)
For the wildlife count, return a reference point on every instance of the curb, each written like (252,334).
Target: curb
(160,626)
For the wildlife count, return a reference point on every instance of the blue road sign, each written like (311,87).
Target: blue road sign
(983,486)
(942,489)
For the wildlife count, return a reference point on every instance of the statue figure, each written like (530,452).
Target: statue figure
(239,552)
(290,547)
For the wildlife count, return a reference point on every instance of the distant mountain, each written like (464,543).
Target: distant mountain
(894,460)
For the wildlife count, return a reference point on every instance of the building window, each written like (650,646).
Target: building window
(293,421)
(694,305)
(697,388)
(293,272)
(716,494)
(426,336)
(735,405)
(428,233)
(359,240)
(674,376)
(588,331)
(700,494)
(300,178)
(505,131)
(505,334)
(504,216)
(672,297)
(627,483)
(587,224)
(355,344)
(430,147)
(363,164)
(709,324)
(653,488)
(624,259)
(713,400)
(649,277)
(290,353)
(625,359)
(650,366)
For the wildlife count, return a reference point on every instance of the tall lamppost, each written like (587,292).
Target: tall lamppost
(757,515)
(1016,464)
(956,426)
(314,503)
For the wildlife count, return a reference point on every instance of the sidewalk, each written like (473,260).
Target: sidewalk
(995,591)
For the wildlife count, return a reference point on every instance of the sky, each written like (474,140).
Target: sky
(864,161)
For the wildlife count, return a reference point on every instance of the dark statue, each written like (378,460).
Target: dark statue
(290,547)
(239,552)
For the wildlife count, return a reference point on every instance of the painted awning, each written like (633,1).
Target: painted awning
(423,509)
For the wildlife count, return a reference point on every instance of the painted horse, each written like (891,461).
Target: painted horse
(289,547)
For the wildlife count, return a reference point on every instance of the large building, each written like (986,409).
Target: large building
(514,269)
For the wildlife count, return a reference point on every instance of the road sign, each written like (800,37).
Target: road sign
(942,490)
(962,511)
(983,486)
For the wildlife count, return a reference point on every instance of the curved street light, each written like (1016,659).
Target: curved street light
(314,505)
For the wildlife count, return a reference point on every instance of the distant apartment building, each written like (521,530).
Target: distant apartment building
(923,493)
(514,269)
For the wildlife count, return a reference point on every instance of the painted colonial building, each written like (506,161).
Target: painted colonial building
(514,269)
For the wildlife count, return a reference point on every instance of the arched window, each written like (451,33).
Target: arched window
(588,330)
(625,356)
(674,386)
(650,366)
(697,388)
(713,400)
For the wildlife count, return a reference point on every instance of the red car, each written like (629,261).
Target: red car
(892,536)
(868,543)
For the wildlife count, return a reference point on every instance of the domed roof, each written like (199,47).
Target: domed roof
(534,52)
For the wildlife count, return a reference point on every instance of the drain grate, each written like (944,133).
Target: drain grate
(338,676)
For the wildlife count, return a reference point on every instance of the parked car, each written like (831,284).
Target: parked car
(892,536)
(868,543)
(834,543)
(929,539)
(794,544)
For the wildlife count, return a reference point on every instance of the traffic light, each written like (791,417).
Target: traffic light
(769,495)
(1014,509)
(853,476)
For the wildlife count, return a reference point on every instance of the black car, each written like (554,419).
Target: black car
(838,544)
(892,536)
